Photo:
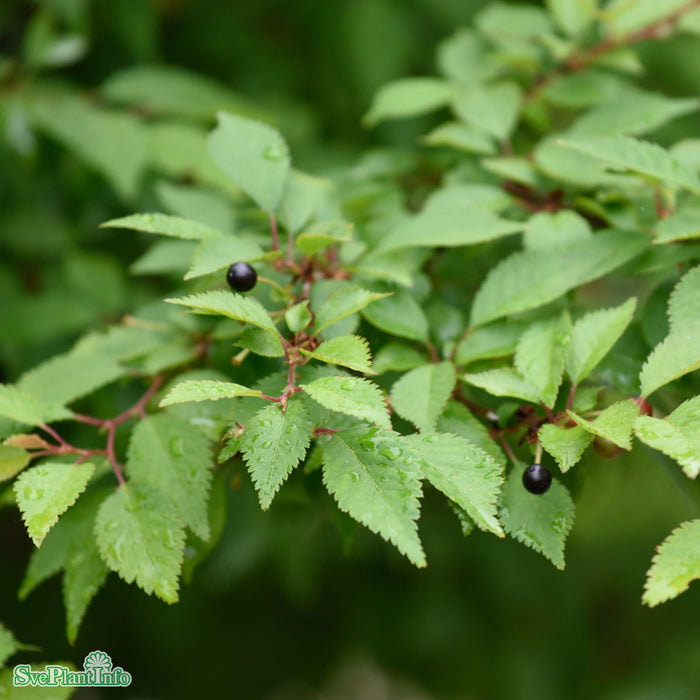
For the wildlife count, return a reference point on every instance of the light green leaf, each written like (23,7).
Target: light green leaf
(205,390)
(514,168)
(487,342)
(140,536)
(322,234)
(491,108)
(164,257)
(305,197)
(679,352)
(677,435)
(449,219)
(614,423)
(397,357)
(509,23)
(421,394)
(584,89)
(12,461)
(527,280)
(298,316)
(504,381)
(273,444)
(683,225)
(624,17)
(464,473)
(196,203)
(640,157)
(394,266)
(566,445)
(343,303)
(351,395)
(464,57)
(540,521)
(260,342)
(593,337)
(253,155)
(164,225)
(214,254)
(374,476)
(462,137)
(24,407)
(47,490)
(541,353)
(346,350)
(546,231)
(408,97)
(8,645)
(229,304)
(573,16)
(675,565)
(167,455)
(399,314)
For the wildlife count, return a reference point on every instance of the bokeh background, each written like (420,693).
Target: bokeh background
(285,608)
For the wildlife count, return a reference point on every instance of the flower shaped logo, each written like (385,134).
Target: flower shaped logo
(97,660)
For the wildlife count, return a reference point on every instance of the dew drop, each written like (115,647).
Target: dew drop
(177,447)
(347,385)
(273,152)
(354,476)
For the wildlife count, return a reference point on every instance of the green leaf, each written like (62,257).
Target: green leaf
(594,336)
(675,565)
(399,314)
(8,645)
(196,203)
(12,461)
(260,342)
(540,521)
(343,303)
(346,350)
(679,352)
(140,536)
(408,97)
(229,304)
(677,435)
(214,254)
(350,395)
(305,197)
(449,218)
(546,231)
(273,443)
(573,16)
(614,423)
(167,455)
(541,353)
(640,157)
(205,390)
(322,234)
(491,108)
(625,17)
(464,473)
(421,394)
(508,23)
(23,407)
(504,381)
(683,225)
(487,342)
(298,316)
(462,137)
(374,476)
(566,445)
(527,280)
(47,490)
(397,357)
(464,58)
(85,574)
(253,155)
(164,257)
(164,225)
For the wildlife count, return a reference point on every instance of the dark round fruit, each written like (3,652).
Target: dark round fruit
(537,478)
(241,277)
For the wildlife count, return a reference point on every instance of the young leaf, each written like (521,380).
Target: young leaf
(449,218)
(491,108)
(397,357)
(408,97)
(8,645)
(593,337)
(166,454)
(571,15)
(614,423)
(253,155)
(346,350)
(566,445)
(305,197)
(213,254)
(541,353)
(343,303)
(464,473)
(677,435)
(164,225)
(12,461)
(205,390)
(273,444)
(261,342)
(23,407)
(352,396)
(679,352)
(298,316)
(675,565)
(222,303)
(462,137)
(539,521)
(374,476)
(321,234)
(486,342)
(47,490)
(421,394)
(399,314)
(140,536)
(641,157)
(546,231)
(526,280)
(504,381)
(680,226)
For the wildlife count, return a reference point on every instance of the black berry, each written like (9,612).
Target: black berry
(241,277)
(537,478)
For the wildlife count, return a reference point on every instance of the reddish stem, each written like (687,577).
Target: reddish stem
(274,233)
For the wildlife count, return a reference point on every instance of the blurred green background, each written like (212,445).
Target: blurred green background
(285,609)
